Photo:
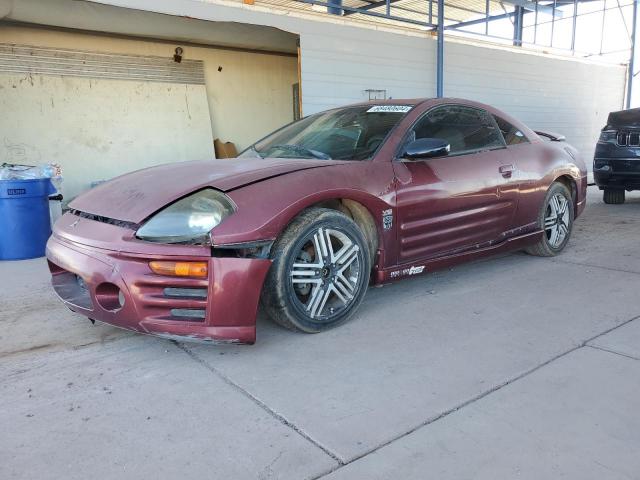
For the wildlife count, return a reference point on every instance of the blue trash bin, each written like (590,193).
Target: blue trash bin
(24,218)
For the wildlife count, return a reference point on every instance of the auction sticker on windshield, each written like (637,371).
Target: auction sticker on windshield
(389,109)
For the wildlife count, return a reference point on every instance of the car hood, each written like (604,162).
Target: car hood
(624,118)
(135,196)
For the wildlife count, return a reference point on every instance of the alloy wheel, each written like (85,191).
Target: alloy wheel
(326,273)
(557,220)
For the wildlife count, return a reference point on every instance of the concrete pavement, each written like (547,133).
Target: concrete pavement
(515,366)
(573,418)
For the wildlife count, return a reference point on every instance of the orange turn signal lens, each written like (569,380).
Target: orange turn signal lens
(180,269)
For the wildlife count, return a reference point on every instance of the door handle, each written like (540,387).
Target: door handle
(507,170)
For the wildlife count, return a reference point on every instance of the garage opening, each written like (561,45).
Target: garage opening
(103,102)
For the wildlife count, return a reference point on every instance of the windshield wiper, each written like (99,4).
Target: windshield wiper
(303,150)
(255,150)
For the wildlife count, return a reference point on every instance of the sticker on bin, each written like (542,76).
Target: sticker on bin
(389,109)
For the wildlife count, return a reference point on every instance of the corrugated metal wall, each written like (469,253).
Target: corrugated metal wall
(548,93)
(340,63)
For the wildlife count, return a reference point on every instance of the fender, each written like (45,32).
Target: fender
(290,195)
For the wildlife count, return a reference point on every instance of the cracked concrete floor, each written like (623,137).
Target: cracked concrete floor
(511,367)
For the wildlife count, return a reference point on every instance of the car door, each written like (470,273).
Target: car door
(525,156)
(456,202)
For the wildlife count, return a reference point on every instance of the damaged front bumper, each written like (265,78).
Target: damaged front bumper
(101,271)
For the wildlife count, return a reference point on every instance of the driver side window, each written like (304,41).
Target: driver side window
(466,129)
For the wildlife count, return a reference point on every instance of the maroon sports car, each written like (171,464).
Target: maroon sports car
(305,219)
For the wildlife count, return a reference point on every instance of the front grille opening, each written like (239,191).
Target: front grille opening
(628,139)
(171,292)
(70,287)
(110,297)
(243,250)
(189,314)
(101,219)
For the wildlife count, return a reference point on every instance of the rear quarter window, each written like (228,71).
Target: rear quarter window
(512,135)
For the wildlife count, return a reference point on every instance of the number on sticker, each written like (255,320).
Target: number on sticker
(389,109)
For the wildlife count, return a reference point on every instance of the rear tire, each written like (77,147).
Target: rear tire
(320,272)
(555,220)
(613,196)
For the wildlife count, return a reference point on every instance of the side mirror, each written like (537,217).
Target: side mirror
(426,148)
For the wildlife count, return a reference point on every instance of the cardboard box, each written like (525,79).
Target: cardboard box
(224,149)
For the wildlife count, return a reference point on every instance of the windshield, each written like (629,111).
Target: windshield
(352,133)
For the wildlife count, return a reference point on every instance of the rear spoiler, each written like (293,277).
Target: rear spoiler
(554,137)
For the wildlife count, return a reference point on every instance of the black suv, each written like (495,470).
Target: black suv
(616,165)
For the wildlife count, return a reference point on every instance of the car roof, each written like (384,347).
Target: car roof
(419,101)
(432,102)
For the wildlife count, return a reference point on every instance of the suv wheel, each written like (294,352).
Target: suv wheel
(613,196)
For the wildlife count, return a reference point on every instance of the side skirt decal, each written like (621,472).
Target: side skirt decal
(402,271)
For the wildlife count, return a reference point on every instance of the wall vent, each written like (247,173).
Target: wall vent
(76,63)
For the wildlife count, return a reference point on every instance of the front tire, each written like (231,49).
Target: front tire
(613,196)
(556,220)
(320,272)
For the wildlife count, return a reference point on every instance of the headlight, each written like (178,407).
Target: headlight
(188,220)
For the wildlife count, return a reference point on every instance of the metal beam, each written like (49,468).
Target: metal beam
(335,8)
(574,27)
(330,3)
(487,14)
(440,56)
(526,4)
(501,16)
(531,7)
(535,24)
(553,20)
(633,53)
(604,22)
(518,26)
(478,21)
(373,5)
